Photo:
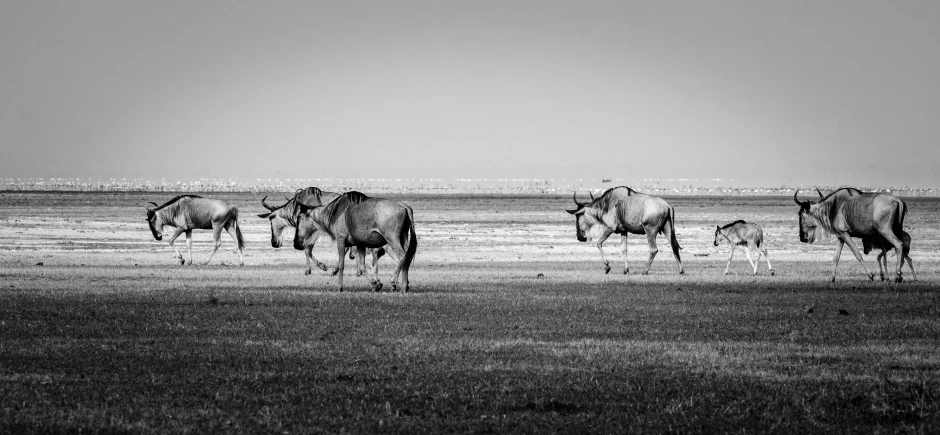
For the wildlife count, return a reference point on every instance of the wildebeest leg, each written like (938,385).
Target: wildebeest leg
(600,247)
(858,256)
(747,252)
(176,233)
(911,264)
(651,239)
(767,257)
(341,263)
(241,256)
(217,237)
(835,259)
(882,257)
(395,249)
(626,267)
(728,267)
(189,245)
(899,249)
(376,254)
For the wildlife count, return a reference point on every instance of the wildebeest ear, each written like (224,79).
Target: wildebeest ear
(264,215)
(574,211)
(717,227)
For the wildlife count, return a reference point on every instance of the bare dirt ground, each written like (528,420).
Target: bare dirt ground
(512,326)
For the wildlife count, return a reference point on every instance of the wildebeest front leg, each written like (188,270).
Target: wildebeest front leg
(911,264)
(217,237)
(376,254)
(651,239)
(728,267)
(600,247)
(189,245)
(835,260)
(861,260)
(626,267)
(882,258)
(176,233)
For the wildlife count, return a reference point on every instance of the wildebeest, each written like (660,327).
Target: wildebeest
(623,211)
(356,220)
(749,235)
(285,215)
(848,213)
(186,213)
(871,242)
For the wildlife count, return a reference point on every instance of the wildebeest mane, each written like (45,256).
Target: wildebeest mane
(333,209)
(827,208)
(308,192)
(174,200)
(739,221)
(850,189)
(603,202)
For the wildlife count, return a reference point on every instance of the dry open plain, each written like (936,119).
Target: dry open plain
(511,326)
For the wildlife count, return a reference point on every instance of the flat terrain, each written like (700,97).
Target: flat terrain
(512,326)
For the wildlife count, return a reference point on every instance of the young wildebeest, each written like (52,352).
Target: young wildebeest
(355,220)
(871,242)
(186,213)
(740,233)
(623,211)
(284,216)
(848,213)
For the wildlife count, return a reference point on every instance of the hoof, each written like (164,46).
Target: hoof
(626,271)
(898,279)
(377,287)
(606,269)
(726,273)
(307,272)
(871,278)
(773,272)
(334,271)
(182,262)
(322,267)
(358,273)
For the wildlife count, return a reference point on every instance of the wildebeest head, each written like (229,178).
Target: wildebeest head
(586,222)
(717,234)
(156,225)
(278,222)
(306,229)
(807,224)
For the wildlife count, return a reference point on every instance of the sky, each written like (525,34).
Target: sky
(837,92)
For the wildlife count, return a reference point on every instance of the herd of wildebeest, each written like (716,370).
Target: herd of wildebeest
(359,223)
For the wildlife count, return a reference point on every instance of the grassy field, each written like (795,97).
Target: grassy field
(512,327)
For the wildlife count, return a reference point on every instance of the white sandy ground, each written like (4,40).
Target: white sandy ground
(476,230)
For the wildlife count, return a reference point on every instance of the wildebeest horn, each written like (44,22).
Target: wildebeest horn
(155,205)
(574,196)
(265,204)
(797,201)
(820,194)
(592,195)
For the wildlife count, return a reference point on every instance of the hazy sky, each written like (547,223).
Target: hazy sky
(795,92)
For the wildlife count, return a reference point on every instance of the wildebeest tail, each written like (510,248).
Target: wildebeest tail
(672,234)
(898,226)
(409,240)
(233,219)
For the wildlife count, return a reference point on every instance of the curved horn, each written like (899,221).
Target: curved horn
(798,202)
(592,195)
(820,194)
(155,205)
(265,204)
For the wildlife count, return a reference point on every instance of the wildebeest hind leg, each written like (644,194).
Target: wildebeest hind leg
(651,239)
(626,267)
(396,250)
(910,263)
(231,232)
(189,245)
(879,259)
(341,262)
(767,257)
(835,259)
(217,238)
(747,252)
(376,254)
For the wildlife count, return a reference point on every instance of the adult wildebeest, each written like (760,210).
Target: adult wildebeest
(870,242)
(848,213)
(285,215)
(623,211)
(356,220)
(751,236)
(186,213)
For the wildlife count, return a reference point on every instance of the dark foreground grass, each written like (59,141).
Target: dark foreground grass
(480,348)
